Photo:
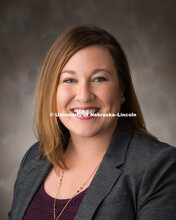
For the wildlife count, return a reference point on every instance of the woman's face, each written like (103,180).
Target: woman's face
(89,84)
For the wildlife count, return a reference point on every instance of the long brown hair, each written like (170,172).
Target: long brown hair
(51,133)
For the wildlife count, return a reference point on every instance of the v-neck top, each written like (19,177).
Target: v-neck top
(41,207)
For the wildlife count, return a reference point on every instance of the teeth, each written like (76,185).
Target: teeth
(87,111)
(84,112)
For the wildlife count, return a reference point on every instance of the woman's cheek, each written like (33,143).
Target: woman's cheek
(64,96)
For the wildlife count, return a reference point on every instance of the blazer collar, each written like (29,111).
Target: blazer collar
(116,152)
(107,174)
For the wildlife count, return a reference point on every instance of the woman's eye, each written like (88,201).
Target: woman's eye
(69,81)
(99,79)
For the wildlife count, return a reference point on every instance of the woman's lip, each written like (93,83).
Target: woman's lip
(85,108)
(84,117)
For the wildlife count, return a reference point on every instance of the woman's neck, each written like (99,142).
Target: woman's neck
(84,150)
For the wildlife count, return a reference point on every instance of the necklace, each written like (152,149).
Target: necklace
(60,183)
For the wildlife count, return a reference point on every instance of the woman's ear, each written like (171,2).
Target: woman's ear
(122,99)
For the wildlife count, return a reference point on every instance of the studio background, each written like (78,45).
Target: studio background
(146,31)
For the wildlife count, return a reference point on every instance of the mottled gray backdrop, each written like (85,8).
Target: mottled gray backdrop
(147,31)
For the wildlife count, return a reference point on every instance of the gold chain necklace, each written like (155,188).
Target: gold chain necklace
(60,183)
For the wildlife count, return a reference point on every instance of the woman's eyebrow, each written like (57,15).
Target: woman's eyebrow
(68,71)
(100,70)
(93,72)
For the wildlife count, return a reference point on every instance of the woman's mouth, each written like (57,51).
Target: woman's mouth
(85,113)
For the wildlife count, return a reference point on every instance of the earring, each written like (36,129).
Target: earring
(123,99)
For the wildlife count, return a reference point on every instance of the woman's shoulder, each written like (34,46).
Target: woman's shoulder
(144,150)
(31,154)
(151,164)
(148,144)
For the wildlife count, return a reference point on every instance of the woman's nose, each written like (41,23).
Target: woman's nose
(84,92)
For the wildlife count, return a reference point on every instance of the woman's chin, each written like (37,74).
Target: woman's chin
(86,133)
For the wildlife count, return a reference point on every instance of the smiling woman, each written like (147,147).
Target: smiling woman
(86,167)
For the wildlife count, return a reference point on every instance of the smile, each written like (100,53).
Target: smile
(85,112)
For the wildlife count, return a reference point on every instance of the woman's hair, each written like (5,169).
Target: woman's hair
(51,133)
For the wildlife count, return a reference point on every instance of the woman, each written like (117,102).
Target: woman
(87,167)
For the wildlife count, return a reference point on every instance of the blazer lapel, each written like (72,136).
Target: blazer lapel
(106,176)
(28,184)
(99,188)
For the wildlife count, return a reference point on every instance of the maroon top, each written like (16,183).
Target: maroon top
(41,207)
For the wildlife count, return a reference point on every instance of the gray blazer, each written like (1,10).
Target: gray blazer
(135,181)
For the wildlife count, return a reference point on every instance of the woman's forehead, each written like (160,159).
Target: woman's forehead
(96,56)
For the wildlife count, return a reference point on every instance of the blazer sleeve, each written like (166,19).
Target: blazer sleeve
(157,194)
(25,158)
